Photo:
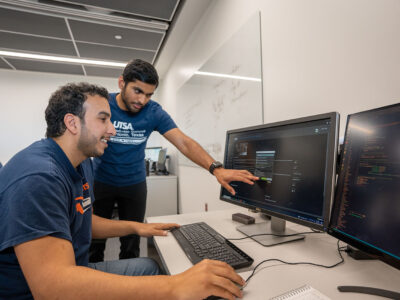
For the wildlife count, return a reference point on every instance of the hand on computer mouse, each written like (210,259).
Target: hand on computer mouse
(208,277)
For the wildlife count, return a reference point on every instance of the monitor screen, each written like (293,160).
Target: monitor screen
(152,153)
(366,210)
(295,161)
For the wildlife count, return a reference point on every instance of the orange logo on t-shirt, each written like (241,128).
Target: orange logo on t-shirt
(79,208)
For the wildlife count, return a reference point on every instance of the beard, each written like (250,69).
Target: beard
(87,144)
(128,106)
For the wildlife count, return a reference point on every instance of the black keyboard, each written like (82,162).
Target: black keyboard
(200,241)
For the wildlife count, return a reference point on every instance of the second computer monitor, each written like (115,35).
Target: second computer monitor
(366,210)
(295,161)
(152,153)
(161,162)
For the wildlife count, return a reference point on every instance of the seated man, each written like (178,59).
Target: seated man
(47,224)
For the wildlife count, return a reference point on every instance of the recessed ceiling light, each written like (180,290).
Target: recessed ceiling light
(118,37)
(62,59)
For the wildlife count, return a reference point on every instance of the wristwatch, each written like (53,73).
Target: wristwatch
(214,165)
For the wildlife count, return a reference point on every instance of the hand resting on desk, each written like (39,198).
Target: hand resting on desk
(154,229)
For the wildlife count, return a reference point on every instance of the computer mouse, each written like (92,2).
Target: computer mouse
(216,297)
(212,298)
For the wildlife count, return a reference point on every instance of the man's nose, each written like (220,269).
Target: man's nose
(142,99)
(111,129)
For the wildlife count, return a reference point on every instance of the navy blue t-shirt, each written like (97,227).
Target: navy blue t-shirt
(42,194)
(122,163)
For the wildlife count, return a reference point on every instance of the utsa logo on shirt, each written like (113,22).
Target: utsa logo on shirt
(122,125)
(84,202)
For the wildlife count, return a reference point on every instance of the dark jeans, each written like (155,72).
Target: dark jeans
(131,201)
(142,266)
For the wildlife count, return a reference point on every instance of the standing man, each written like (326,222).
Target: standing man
(120,175)
(46,218)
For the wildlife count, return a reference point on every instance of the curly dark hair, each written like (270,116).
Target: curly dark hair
(138,69)
(68,99)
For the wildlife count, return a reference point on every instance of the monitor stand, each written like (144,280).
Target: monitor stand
(276,226)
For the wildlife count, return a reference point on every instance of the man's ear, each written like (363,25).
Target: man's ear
(121,82)
(72,123)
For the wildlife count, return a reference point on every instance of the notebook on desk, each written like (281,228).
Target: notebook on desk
(305,292)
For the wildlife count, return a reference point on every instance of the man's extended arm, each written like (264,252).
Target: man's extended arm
(48,264)
(104,228)
(198,155)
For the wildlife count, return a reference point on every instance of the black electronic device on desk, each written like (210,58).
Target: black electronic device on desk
(199,241)
(366,210)
(295,161)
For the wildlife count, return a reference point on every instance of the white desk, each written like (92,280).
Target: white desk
(273,278)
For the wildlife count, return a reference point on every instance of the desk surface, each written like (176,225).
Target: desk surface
(273,278)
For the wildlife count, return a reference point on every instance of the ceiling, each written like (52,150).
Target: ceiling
(116,31)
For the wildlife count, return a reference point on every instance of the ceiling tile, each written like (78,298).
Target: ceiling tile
(40,66)
(103,72)
(105,34)
(159,9)
(19,21)
(36,44)
(44,26)
(113,53)
(3,64)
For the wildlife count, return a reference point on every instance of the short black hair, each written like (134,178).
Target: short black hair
(68,99)
(141,70)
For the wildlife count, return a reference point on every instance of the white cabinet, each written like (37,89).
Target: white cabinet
(162,195)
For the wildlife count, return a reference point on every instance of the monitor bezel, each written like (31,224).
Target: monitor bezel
(376,252)
(331,167)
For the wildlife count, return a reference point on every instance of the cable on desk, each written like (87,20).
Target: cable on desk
(274,234)
(298,263)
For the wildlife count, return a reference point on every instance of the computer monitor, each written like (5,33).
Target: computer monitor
(162,158)
(366,209)
(152,153)
(295,161)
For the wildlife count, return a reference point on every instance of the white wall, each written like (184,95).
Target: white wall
(23,99)
(318,56)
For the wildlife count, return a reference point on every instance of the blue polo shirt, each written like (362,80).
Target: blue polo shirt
(42,194)
(122,163)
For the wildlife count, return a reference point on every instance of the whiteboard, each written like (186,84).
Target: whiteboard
(208,106)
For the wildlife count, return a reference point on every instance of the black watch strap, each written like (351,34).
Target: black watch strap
(214,165)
